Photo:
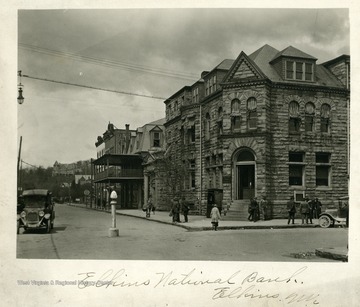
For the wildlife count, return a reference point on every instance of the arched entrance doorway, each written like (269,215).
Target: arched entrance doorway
(245,170)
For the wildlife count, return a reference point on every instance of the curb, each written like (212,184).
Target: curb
(332,253)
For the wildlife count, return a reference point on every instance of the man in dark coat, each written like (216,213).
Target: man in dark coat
(291,208)
(253,210)
(185,210)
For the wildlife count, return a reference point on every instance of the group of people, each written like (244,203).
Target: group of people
(309,209)
(178,207)
(257,209)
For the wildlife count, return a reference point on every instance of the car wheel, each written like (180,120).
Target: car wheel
(325,221)
(18,227)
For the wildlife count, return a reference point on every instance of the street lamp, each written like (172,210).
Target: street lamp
(20,98)
(113,231)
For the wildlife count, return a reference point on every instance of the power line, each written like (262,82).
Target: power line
(93,87)
(22,161)
(111,63)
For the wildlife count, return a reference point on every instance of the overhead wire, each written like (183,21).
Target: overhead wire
(92,87)
(111,63)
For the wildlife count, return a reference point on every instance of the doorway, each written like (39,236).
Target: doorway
(246,181)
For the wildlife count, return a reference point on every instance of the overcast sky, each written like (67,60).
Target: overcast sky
(151,52)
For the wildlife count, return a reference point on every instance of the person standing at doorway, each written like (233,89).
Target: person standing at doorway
(291,208)
(253,210)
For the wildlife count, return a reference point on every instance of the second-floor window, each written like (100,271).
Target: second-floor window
(325,118)
(156,139)
(309,117)
(251,113)
(294,118)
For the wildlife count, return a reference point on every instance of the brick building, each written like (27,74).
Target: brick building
(272,123)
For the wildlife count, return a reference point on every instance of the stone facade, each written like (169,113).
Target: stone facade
(268,124)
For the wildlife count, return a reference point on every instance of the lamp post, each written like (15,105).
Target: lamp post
(20,98)
(113,231)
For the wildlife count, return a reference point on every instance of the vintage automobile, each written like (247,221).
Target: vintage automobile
(337,216)
(35,210)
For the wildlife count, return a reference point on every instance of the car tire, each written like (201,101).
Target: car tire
(325,221)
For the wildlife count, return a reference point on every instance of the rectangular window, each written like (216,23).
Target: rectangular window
(324,124)
(296,168)
(294,124)
(323,168)
(299,70)
(156,141)
(289,69)
(236,123)
(252,120)
(308,71)
(309,123)
(191,134)
(192,180)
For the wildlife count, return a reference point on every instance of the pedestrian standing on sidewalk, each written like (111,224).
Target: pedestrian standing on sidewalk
(185,209)
(304,210)
(291,208)
(215,217)
(175,210)
(263,207)
(317,210)
(253,210)
(311,209)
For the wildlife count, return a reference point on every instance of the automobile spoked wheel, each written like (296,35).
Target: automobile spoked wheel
(325,221)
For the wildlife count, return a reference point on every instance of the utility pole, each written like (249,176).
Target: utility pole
(18,165)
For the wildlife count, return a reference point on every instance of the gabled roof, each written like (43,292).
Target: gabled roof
(262,58)
(244,64)
(293,53)
(260,63)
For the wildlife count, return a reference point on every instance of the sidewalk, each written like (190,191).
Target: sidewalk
(201,223)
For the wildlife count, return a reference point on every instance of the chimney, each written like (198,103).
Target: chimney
(127,137)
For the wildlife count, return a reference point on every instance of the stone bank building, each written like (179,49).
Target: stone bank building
(272,123)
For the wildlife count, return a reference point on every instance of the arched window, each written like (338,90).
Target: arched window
(245,155)
(251,113)
(235,106)
(309,116)
(325,118)
(294,118)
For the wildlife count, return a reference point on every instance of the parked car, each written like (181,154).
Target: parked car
(336,216)
(35,210)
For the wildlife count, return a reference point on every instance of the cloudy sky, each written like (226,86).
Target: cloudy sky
(139,53)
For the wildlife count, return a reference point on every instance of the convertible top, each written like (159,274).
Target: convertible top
(43,192)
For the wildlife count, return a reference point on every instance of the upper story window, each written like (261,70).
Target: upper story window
(191,134)
(325,118)
(207,126)
(196,95)
(210,85)
(220,121)
(298,70)
(309,117)
(235,106)
(251,113)
(156,139)
(294,118)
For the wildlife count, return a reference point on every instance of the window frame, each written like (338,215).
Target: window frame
(296,164)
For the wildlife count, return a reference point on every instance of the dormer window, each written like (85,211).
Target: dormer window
(299,70)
